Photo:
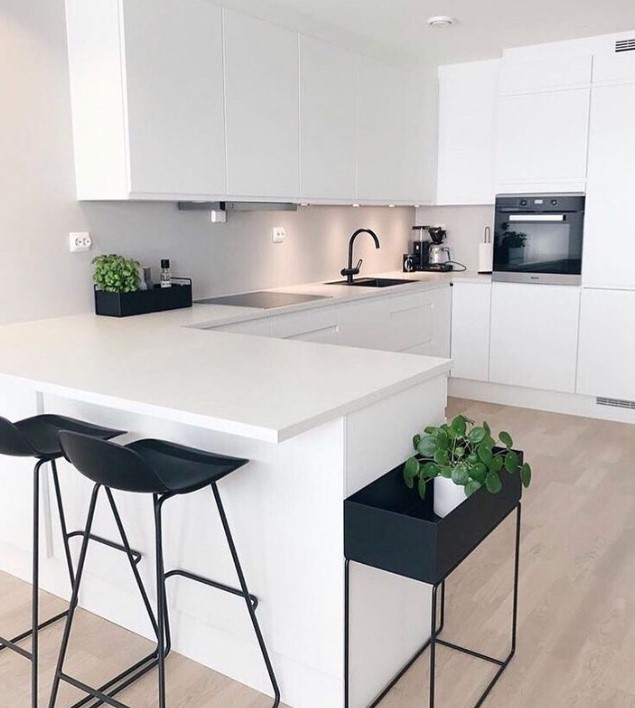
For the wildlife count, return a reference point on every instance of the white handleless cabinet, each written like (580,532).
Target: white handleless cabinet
(534,336)
(607,344)
(147,98)
(609,238)
(468,100)
(318,324)
(261,92)
(327,122)
(256,328)
(471,305)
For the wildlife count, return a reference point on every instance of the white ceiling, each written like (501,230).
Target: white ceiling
(483,29)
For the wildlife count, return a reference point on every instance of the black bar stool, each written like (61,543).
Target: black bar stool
(38,437)
(164,470)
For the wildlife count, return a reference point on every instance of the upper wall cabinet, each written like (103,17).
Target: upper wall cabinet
(261,69)
(389,133)
(468,96)
(328,114)
(609,238)
(147,98)
(543,123)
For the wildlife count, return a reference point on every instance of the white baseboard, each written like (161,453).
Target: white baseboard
(553,401)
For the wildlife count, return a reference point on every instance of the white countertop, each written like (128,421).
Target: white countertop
(257,387)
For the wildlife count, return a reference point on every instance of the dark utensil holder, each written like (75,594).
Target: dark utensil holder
(142,302)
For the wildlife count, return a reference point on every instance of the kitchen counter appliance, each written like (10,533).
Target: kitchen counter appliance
(538,238)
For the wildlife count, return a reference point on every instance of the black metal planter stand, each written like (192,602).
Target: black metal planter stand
(385,529)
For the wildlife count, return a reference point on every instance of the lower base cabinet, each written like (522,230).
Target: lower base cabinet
(534,336)
(607,344)
(471,305)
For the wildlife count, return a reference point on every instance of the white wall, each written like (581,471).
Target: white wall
(465,225)
(40,278)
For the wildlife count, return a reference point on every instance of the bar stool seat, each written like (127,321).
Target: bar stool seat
(181,469)
(162,470)
(38,438)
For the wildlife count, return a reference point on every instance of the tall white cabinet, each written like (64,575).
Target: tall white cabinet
(147,98)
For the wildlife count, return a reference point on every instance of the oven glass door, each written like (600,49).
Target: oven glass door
(540,244)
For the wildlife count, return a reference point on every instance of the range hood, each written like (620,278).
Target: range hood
(237,206)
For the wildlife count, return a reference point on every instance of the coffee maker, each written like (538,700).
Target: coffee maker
(428,255)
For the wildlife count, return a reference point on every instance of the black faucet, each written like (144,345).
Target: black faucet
(349,272)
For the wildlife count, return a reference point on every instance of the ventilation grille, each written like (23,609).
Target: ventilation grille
(625,45)
(615,403)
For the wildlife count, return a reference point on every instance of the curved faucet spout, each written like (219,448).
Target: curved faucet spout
(349,271)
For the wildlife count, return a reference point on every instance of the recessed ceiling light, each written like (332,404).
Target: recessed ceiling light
(441,21)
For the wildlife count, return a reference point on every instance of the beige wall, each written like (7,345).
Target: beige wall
(40,278)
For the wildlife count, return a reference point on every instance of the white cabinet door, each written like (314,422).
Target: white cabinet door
(174,82)
(471,308)
(257,328)
(607,344)
(327,121)
(542,141)
(525,73)
(315,325)
(468,102)
(389,134)
(147,98)
(261,74)
(534,336)
(609,237)
(428,326)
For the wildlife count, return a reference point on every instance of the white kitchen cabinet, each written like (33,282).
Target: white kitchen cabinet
(416,323)
(609,237)
(607,344)
(542,141)
(468,101)
(327,122)
(529,72)
(147,98)
(262,99)
(471,309)
(534,336)
(318,324)
(390,151)
(257,328)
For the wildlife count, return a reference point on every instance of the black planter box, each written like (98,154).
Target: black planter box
(388,526)
(142,302)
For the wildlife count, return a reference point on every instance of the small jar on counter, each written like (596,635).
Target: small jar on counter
(166,274)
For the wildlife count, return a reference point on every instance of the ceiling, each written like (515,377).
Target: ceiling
(483,29)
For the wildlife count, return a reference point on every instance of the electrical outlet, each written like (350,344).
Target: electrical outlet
(278,234)
(79,241)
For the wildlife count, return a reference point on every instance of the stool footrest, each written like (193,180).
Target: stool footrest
(211,583)
(13,643)
(124,679)
(137,555)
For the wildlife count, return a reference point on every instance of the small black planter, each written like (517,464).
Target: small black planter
(388,526)
(143,302)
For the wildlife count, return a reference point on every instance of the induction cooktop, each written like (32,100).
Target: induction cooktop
(262,299)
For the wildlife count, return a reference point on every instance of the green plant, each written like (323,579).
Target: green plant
(465,453)
(116,274)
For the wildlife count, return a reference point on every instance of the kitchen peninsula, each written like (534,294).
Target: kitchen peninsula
(318,422)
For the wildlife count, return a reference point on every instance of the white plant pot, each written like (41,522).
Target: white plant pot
(447,496)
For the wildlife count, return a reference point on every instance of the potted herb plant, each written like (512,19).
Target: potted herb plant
(462,457)
(116,274)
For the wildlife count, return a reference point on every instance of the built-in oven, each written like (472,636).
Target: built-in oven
(538,238)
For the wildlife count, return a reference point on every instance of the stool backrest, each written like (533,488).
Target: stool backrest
(110,464)
(12,442)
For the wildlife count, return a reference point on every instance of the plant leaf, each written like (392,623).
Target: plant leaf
(441,457)
(459,425)
(511,461)
(459,451)
(422,487)
(431,430)
(477,435)
(460,474)
(484,453)
(427,446)
(446,472)
(493,483)
(525,475)
(506,439)
(486,427)
(471,487)
(443,442)
(429,470)
(478,472)
(410,471)
(415,441)
(496,465)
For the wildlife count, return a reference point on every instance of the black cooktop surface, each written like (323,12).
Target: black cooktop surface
(261,299)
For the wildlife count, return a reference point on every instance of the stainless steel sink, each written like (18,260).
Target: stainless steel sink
(372,282)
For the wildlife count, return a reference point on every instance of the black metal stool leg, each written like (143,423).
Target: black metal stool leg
(35,588)
(433,645)
(62,518)
(71,614)
(250,607)
(161,601)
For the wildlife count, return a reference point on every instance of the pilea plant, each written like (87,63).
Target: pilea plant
(116,274)
(467,454)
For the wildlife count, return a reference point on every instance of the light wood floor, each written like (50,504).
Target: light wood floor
(576,643)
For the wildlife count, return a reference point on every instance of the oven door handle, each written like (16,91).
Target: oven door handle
(537,217)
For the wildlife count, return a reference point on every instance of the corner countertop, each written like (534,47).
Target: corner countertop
(164,365)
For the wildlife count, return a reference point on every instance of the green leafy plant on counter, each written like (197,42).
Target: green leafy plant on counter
(116,274)
(467,454)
